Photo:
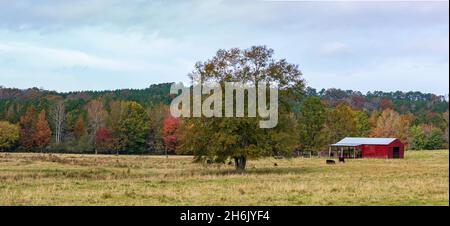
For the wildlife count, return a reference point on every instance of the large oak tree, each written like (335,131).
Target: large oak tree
(219,139)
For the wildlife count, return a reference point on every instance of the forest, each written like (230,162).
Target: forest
(83,122)
(137,121)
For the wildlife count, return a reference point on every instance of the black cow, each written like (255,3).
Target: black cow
(330,162)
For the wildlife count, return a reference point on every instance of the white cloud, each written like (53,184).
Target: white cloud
(44,57)
(136,42)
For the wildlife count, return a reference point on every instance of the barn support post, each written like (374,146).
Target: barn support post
(329,151)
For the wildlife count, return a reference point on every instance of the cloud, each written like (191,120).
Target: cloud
(43,57)
(389,74)
(159,14)
(132,43)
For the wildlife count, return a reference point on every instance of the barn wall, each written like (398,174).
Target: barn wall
(382,151)
(397,143)
(375,151)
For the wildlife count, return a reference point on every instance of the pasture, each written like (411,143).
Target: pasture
(422,178)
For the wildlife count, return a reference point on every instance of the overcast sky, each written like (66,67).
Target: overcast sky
(111,44)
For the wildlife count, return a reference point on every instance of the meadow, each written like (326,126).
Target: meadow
(422,178)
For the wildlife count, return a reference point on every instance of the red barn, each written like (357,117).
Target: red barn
(359,147)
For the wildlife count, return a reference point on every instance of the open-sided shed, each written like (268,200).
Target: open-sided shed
(362,147)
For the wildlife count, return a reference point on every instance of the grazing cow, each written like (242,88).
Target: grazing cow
(330,162)
(342,159)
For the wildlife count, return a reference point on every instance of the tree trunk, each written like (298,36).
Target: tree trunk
(240,163)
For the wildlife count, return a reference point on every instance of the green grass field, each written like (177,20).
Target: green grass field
(422,178)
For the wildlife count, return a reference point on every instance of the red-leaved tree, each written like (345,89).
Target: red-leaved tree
(169,133)
(103,140)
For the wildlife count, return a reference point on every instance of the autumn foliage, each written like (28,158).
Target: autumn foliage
(79,129)
(103,139)
(392,124)
(42,133)
(27,128)
(136,121)
(9,135)
(169,133)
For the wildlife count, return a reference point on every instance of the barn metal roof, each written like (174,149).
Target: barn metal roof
(356,141)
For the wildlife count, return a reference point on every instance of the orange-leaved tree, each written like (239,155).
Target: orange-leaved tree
(79,129)
(392,124)
(26,128)
(42,133)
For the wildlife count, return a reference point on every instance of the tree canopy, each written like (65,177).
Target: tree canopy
(218,139)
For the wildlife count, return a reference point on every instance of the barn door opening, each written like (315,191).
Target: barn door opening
(396,153)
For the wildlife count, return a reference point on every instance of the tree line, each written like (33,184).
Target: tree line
(320,125)
(126,128)
(133,121)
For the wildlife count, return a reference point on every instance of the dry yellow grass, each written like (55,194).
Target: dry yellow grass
(422,178)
